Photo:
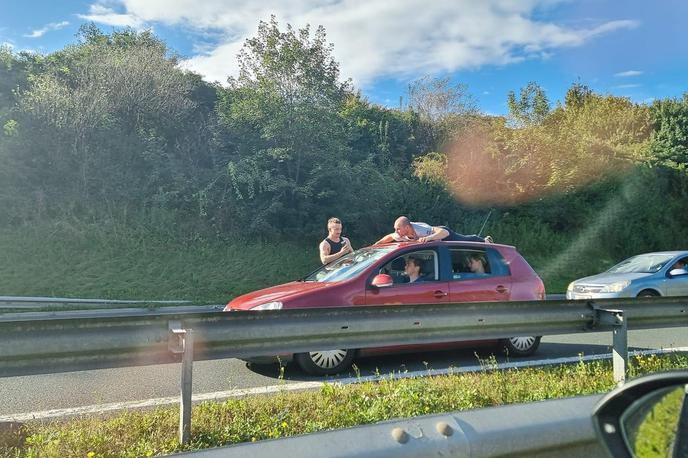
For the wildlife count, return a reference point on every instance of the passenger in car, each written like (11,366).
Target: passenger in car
(407,231)
(335,245)
(413,269)
(478,266)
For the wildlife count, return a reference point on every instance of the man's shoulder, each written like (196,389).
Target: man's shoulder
(421,229)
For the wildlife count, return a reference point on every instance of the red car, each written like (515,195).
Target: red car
(377,275)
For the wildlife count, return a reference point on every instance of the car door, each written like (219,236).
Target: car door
(429,290)
(493,284)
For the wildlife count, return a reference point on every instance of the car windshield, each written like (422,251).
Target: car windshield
(349,266)
(644,263)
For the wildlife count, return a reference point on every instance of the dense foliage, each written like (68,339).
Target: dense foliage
(112,129)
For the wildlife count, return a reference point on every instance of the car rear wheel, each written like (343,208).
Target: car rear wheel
(521,346)
(325,362)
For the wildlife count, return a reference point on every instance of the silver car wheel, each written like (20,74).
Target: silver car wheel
(522,343)
(328,359)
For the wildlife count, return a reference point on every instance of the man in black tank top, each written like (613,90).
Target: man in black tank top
(334,246)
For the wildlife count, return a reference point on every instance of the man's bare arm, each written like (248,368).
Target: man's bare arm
(438,233)
(389,238)
(326,257)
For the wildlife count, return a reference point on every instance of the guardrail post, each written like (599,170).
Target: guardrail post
(616,319)
(181,341)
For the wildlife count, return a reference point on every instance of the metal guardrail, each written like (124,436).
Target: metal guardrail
(34,342)
(556,428)
(26,302)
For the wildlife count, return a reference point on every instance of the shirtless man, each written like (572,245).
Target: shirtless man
(334,246)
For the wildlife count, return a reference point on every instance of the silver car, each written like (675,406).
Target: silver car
(652,274)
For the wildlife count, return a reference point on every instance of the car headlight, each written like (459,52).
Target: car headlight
(569,288)
(616,287)
(268,306)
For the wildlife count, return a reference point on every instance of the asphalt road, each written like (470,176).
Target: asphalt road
(73,389)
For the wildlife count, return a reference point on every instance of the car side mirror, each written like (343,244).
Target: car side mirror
(647,416)
(677,272)
(382,281)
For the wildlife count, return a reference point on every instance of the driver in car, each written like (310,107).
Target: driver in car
(413,269)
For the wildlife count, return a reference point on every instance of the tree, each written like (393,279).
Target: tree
(531,107)
(444,109)
(577,95)
(111,119)
(669,139)
(284,106)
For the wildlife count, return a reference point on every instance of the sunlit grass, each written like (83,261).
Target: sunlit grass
(135,264)
(141,433)
(141,265)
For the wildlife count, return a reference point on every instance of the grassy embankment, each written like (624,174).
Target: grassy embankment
(137,433)
(124,263)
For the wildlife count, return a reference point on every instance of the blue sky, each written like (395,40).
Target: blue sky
(629,48)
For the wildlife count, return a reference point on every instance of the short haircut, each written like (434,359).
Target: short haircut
(334,220)
(416,261)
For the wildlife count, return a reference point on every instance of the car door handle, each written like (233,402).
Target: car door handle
(440,293)
(501,289)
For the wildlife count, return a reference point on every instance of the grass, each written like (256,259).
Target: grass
(152,433)
(133,263)
(658,428)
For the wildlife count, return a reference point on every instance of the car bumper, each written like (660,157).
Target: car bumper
(583,296)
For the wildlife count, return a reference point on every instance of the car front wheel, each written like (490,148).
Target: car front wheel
(325,362)
(521,346)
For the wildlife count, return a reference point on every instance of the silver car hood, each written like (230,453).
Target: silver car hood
(606,278)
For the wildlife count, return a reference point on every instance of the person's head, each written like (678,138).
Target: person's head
(412,267)
(402,226)
(334,227)
(680,264)
(476,263)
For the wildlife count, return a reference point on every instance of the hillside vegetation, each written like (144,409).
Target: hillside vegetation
(123,175)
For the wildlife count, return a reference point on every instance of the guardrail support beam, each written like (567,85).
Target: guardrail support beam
(616,319)
(181,341)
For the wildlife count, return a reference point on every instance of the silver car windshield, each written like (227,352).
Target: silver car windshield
(644,263)
(349,265)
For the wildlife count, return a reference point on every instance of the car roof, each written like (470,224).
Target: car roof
(670,253)
(444,243)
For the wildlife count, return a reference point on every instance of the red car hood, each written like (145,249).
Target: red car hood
(275,293)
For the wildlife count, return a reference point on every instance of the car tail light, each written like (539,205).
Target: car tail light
(540,292)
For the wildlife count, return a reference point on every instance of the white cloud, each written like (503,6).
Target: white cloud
(103,14)
(48,28)
(373,38)
(628,73)
(626,86)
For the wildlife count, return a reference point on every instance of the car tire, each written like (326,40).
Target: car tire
(325,362)
(520,346)
(647,293)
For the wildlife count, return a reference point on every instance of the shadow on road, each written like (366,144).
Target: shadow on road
(436,360)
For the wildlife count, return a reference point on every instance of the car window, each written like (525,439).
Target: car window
(681,263)
(470,263)
(349,265)
(397,267)
(644,263)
